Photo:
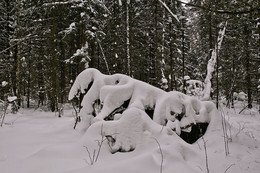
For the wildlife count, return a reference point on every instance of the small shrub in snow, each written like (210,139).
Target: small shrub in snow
(93,156)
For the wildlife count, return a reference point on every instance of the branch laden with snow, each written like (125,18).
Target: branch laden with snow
(175,110)
(80,53)
(212,62)
(193,87)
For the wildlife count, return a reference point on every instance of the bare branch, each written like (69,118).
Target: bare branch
(161,168)
(100,143)
(229,167)
(206,154)
(5,105)
(89,155)
(167,8)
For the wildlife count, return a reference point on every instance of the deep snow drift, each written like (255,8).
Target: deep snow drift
(36,141)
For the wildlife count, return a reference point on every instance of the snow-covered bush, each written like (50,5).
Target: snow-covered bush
(174,110)
(241,96)
(193,87)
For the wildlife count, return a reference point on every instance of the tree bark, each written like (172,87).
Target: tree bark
(128,39)
(28,83)
(247,56)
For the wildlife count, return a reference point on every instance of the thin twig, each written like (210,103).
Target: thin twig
(241,128)
(100,143)
(243,109)
(95,154)
(89,155)
(77,117)
(206,154)
(4,113)
(161,167)
(229,167)
(224,127)
(198,145)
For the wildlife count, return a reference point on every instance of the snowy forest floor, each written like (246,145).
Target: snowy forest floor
(38,141)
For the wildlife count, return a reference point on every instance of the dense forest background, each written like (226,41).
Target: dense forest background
(45,44)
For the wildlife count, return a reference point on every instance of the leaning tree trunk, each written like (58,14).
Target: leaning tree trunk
(212,63)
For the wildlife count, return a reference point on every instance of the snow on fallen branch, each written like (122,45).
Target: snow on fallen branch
(175,110)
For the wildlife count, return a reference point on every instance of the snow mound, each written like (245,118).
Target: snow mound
(121,91)
(122,98)
(138,124)
(11,99)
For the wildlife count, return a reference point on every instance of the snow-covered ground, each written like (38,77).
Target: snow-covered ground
(37,141)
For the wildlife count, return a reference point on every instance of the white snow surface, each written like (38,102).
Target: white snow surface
(11,98)
(4,83)
(240,96)
(36,141)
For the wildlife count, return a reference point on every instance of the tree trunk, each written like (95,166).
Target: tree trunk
(29,83)
(217,66)
(173,83)
(258,87)
(153,45)
(210,35)
(128,39)
(18,74)
(18,58)
(247,56)
(183,55)
(62,70)
(233,83)
(212,62)
(13,74)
